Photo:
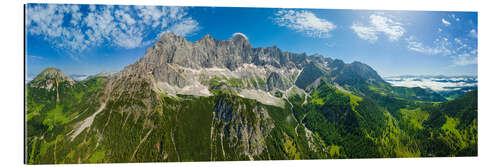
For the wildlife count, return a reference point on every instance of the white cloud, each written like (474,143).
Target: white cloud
(36,57)
(366,33)
(131,38)
(460,50)
(464,59)
(455,17)
(240,34)
(379,25)
(100,24)
(441,46)
(391,28)
(76,16)
(151,15)
(473,52)
(184,28)
(46,20)
(331,44)
(460,53)
(118,26)
(92,7)
(305,22)
(473,33)
(122,16)
(446,23)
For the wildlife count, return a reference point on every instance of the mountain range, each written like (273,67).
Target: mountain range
(216,100)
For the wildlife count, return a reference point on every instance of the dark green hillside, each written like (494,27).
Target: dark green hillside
(388,126)
(417,93)
(47,118)
(138,124)
(349,123)
(452,127)
(181,131)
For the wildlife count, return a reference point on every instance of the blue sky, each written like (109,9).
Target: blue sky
(87,39)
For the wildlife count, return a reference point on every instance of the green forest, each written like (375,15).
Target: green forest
(145,126)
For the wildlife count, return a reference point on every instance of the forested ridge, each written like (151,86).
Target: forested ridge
(333,123)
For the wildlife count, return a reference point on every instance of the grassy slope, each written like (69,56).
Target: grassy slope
(47,119)
(341,123)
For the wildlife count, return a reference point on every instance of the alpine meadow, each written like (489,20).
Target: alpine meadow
(120,84)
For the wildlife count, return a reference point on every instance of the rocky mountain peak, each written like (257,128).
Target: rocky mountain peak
(50,78)
(168,37)
(179,66)
(207,37)
(365,70)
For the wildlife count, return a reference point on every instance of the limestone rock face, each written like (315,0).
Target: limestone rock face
(245,126)
(174,66)
(274,81)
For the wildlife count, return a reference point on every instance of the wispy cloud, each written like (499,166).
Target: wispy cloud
(473,33)
(379,25)
(185,27)
(464,59)
(445,22)
(441,46)
(35,57)
(366,33)
(99,25)
(305,22)
(461,53)
(456,18)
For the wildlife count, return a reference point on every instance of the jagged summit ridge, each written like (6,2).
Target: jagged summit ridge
(178,66)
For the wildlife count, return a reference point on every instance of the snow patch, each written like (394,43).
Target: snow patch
(262,97)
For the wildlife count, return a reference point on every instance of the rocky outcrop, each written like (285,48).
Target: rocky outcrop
(309,74)
(205,53)
(275,81)
(171,54)
(245,125)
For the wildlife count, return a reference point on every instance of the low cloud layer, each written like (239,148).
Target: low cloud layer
(435,83)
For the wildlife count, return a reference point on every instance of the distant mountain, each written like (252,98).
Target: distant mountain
(81,77)
(78,77)
(50,78)
(224,100)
